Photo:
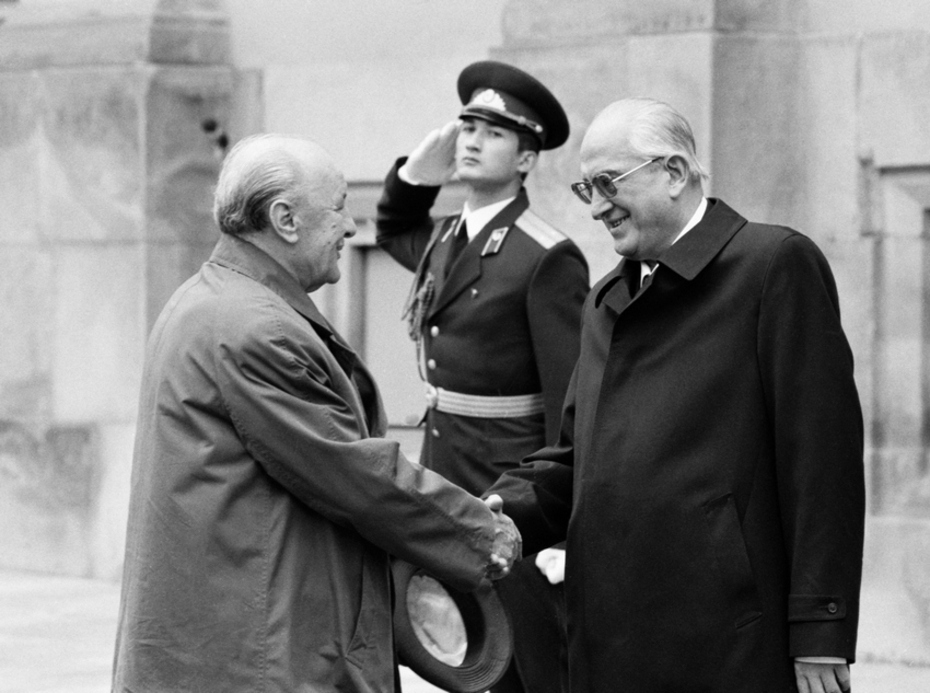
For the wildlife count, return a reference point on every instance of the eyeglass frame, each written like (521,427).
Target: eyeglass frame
(604,183)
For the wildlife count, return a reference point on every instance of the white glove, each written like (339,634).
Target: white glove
(551,563)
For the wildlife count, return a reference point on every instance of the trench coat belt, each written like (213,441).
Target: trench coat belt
(482,406)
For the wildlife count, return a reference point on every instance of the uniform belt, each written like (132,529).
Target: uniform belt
(483,407)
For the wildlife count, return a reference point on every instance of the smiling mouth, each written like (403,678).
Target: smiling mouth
(616,223)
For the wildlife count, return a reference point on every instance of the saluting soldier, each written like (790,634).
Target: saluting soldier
(495,312)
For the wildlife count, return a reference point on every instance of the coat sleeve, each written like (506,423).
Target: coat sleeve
(403,221)
(537,495)
(278,388)
(807,373)
(554,301)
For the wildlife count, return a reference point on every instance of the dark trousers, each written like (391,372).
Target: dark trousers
(537,615)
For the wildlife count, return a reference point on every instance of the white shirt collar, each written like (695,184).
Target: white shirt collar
(479,218)
(644,269)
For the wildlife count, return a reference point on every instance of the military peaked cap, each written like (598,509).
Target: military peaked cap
(509,97)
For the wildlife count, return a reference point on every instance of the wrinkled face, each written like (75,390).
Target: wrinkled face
(323,225)
(487,155)
(640,217)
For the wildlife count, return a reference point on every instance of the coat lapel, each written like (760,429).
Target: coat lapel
(467,268)
(700,245)
(619,287)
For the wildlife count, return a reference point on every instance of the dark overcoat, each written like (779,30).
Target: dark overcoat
(265,504)
(709,474)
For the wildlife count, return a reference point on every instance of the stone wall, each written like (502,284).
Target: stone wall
(106,184)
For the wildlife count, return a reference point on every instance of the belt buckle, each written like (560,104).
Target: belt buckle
(432,397)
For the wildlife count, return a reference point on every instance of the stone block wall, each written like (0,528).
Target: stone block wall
(106,181)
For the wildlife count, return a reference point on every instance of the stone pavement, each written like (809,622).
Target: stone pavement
(56,636)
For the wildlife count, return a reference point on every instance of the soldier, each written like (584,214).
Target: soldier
(495,312)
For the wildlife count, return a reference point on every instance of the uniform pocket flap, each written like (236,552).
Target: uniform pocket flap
(815,607)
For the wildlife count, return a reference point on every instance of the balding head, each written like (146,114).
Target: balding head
(641,176)
(262,168)
(644,128)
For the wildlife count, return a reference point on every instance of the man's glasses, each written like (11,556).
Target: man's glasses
(605,183)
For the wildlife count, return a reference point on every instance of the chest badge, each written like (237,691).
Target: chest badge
(493,246)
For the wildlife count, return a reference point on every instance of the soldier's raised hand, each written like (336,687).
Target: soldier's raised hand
(433,161)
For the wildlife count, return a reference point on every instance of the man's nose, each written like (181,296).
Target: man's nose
(600,205)
(350,227)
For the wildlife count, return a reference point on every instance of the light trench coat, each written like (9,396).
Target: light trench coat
(265,504)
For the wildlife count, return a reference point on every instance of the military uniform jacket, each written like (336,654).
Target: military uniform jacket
(265,504)
(709,474)
(505,322)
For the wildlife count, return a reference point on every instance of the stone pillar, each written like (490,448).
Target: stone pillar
(105,182)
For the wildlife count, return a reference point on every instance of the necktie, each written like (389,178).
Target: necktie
(459,241)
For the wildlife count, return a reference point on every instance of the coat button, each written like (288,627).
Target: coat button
(832,608)
(434,331)
(435,432)
(431,364)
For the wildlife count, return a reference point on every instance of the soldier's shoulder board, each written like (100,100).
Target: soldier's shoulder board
(539,230)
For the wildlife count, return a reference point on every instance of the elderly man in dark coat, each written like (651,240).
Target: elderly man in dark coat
(265,503)
(709,473)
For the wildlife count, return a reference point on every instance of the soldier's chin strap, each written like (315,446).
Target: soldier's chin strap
(415,310)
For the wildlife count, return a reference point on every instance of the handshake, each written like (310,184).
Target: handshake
(507,548)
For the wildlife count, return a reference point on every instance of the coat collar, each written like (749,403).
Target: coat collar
(699,246)
(691,254)
(242,256)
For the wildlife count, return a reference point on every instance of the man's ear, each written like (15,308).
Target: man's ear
(679,173)
(283,223)
(527,161)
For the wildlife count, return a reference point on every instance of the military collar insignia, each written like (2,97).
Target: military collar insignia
(496,240)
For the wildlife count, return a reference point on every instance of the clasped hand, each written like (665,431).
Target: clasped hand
(508,545)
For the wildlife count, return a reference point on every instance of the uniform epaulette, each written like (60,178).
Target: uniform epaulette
(539,230)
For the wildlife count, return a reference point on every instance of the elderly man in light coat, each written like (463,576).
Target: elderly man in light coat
(265,503)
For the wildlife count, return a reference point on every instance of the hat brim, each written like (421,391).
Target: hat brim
(487,627)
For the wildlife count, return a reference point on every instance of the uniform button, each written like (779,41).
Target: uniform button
(832,608)
(435,432)
(434,331)
(431,364)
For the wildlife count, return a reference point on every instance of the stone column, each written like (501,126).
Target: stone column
(105,187)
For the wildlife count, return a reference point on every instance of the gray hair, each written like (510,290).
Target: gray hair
(657,130)
(257,171)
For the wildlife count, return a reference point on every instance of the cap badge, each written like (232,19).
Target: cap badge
(489,99)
